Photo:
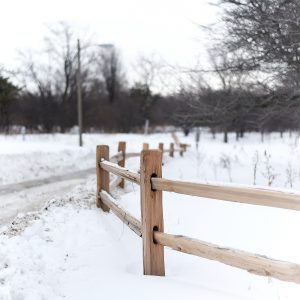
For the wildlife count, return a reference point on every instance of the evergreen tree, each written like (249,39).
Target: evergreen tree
(8,93)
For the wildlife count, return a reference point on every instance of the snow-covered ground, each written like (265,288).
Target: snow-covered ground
(40,156)
(40,159)
(72,250)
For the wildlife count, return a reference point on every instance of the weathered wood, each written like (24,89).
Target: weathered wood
(119,171)
(121,163)
(113,184)
(102,152)
(171,150)
(145,146)
(161,147)
(253,196)
(151,212)
(253,263)
(133,223)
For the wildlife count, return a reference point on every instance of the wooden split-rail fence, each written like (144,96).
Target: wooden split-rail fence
(151,225)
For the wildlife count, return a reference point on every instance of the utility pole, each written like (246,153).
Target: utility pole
(79,94)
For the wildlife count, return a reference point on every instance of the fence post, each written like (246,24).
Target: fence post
(181,149)
(145,146)
(161,147)
(152,213)
(121,163)
(102,152)
(171,152)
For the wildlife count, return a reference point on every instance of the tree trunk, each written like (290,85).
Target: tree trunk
(242,133)
(237,135)
(281,133)
(186,132)
(213,132)
(225,136)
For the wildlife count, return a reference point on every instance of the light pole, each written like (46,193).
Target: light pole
(79,94)
(79,83)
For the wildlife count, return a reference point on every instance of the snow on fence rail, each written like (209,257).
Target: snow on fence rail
(151,227)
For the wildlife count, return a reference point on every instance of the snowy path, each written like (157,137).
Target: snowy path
(32,195)
(18,187)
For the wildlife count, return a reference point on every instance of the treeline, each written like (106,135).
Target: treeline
(240,110)
(46,98)
(256,59)
(222,110)
(127,113)
(253,83)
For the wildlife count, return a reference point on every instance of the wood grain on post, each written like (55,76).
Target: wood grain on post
(121,163)
(152,213)
(171,152)
(145,146)
(102,152)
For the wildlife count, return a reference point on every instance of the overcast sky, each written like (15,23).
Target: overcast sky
(167,27)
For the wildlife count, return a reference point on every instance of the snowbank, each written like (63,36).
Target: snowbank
(72,250)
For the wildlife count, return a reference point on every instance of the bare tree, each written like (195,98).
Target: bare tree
(148,70)
(52,73)
(264,32)
(110,67)
(226,106)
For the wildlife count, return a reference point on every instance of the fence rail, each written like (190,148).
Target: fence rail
(244,195)
(133,223)
(151,227)
(120,171)
(253,263)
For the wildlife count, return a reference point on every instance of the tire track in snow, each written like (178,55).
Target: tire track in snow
(32,195)
(21,186)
